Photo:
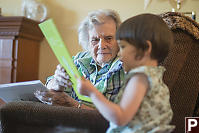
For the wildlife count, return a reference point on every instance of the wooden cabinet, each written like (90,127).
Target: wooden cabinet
(19,49)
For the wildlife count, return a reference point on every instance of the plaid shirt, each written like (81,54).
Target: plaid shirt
(108,80)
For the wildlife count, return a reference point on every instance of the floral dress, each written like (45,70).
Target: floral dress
(154,113)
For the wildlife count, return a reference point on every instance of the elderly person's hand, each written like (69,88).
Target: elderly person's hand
(59,98)
(52,97)
(60,81)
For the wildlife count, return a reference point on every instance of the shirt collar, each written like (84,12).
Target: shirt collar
(90,64)
(105,68)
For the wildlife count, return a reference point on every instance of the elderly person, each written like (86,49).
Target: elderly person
(98,63)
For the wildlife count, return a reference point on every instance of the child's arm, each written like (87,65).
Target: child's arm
(132,97)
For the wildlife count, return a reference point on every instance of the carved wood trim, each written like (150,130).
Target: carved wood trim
(20,27)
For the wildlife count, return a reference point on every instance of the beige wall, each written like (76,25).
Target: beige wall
(67,15)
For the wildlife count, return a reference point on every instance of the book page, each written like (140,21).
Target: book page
(57,45)
(21,91)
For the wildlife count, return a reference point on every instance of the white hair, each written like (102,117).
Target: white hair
(93,18)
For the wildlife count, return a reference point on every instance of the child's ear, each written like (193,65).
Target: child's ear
(149,44)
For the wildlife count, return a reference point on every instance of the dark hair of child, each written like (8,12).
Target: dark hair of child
(138,29)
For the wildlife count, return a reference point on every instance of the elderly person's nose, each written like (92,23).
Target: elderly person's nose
(102,43)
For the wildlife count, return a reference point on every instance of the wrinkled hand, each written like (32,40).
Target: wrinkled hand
(60,81)
(52,97)
(85,87)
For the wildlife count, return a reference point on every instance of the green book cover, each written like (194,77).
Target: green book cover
(57,45)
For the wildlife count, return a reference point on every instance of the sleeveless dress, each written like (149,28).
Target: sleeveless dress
(154,113)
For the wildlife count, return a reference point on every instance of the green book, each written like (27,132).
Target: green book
(57,45)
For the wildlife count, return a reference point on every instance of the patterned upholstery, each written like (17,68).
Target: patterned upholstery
(182,75)
(35,117)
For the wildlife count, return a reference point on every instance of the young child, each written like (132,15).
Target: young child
(142,105)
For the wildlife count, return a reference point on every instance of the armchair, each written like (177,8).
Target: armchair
(181,76)
(182,68)
(35,117)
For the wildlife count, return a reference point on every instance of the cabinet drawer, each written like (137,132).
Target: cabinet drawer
(6,48)
(5,63)
(5,75)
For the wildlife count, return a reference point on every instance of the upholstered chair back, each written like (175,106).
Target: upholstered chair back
(182,64)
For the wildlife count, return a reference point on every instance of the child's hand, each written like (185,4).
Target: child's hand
(85,87)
